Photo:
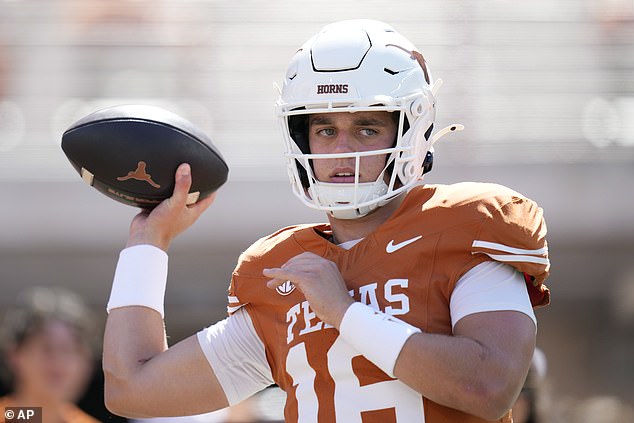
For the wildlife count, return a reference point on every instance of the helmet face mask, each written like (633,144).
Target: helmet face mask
(357,66)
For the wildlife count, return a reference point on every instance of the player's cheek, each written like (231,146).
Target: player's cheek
(321,169)
(371,167)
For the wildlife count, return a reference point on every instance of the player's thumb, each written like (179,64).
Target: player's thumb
(183,181)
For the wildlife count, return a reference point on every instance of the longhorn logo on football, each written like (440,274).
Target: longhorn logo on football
(139,174)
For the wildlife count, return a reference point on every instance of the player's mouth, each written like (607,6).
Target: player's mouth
(342,176)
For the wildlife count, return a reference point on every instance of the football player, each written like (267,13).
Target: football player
(414,303)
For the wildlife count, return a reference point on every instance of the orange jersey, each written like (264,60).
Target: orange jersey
(407,268)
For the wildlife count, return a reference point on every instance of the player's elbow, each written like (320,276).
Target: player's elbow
(115,397)
(119,396)
(490,401)
(493,407)
(120,403)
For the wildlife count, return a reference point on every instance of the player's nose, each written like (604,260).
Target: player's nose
(343,142)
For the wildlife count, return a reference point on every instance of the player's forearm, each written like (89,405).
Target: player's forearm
(455,372)
(478,375)
(133,336)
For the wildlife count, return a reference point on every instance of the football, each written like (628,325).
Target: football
(130,153)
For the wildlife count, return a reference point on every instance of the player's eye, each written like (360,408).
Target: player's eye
(326,132)
(368,132)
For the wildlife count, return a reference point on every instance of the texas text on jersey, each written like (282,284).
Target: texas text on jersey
(407,269)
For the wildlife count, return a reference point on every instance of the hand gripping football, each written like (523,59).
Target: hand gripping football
(130,153)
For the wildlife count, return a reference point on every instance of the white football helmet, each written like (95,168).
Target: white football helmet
(352,66)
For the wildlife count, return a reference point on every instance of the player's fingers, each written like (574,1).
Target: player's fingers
(200,206)
(296,267)
(193,211)
(278,277)
(307,264)
(183,181)
(274,283)
(272,273)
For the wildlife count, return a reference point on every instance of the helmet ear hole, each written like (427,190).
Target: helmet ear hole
(303,175)
(298,129)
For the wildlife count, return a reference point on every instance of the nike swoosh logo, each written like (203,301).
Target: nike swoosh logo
(391,247)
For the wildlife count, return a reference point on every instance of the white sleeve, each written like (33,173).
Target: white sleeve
(490,286)
(236,355)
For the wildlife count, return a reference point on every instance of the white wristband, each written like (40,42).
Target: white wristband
(378,336)
(140,278)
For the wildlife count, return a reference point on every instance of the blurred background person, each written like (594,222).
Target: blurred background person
(599,409)
(48,343)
